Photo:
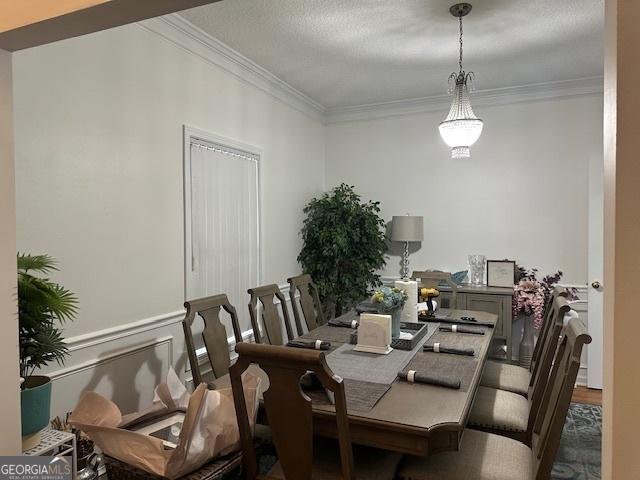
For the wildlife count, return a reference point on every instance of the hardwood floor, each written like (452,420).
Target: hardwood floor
(587,395)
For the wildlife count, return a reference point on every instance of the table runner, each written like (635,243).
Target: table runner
(371,367)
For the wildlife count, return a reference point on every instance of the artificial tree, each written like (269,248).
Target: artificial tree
(343,246)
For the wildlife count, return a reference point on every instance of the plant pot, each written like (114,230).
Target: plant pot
(528,342)
(35,404)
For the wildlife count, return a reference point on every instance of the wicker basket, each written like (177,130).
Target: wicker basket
(216,470)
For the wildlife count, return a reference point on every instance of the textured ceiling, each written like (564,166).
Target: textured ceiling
(354,52)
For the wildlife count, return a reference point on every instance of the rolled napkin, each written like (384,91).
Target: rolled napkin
(462,320)
(412,376)
(366,307)
(461,329)
(343,322)
(310,344)
(310,381)
(438,348)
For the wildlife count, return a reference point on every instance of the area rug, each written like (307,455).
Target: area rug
(578,457)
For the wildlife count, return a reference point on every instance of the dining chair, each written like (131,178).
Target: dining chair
(301,456)
(486,456)
(214,333)
(309,301)
(271,319)
(510,414)
(433,279)
(514,378)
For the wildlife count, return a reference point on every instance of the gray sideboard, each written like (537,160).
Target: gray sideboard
(486,299)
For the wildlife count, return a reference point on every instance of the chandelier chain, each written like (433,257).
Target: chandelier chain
(460,61)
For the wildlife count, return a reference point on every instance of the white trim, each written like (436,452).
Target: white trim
(93,363)
(480,98)
(186,35)
(91,339)
(182,33)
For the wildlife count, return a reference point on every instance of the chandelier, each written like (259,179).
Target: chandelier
(461,128)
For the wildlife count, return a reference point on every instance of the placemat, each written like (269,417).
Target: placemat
(371,367)
(330,334)
(361,396)
(458,340)
(452,366)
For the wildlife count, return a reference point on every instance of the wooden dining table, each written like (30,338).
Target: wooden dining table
(410,418)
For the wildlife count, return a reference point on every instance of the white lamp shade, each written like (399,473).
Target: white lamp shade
(407,228)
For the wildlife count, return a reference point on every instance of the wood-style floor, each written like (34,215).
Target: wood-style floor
(587,395)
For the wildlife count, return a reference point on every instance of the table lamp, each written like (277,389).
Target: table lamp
(406,228)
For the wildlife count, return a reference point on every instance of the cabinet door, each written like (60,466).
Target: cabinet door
(490,304)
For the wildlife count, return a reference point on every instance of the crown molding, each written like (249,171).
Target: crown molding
(186,35)
(182,33)
(480,98)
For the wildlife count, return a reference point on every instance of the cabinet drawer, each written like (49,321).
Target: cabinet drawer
(488,303)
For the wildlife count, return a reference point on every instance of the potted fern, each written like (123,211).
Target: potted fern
(43,306)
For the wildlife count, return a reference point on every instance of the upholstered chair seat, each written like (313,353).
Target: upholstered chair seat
(498,411)
(369,463)
(482,456)
(505,376)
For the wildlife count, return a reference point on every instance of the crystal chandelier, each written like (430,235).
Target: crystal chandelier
(461,128)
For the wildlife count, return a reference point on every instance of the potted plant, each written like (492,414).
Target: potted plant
(343,246)
(390,301)
(42,306)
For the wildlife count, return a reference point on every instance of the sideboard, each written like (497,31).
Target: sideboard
(486,299)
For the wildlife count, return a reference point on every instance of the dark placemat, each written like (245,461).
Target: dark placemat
(335,335)
(451,366)
(361,396)
(458,340)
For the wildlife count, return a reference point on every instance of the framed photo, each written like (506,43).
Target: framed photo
(500,273)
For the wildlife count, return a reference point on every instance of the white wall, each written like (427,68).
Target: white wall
(522,195)
(99,186)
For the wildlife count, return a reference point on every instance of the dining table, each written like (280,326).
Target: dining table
(397,415)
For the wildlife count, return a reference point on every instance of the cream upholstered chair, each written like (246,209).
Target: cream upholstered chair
(309,301)
(485,456)
(301,455)
(507,413)
(432,279)
(514,378)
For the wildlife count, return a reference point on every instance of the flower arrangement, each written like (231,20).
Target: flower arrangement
(389,299)
(531,295)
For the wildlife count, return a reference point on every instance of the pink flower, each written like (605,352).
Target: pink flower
(528,299)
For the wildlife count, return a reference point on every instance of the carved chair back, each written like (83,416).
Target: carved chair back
(214,333)
(271,320)
(547,323)
(432,279)
(557,397)
(309,301)
(540,375)
(288,409)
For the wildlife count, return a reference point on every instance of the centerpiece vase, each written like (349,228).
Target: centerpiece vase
(528,341)
(396,316)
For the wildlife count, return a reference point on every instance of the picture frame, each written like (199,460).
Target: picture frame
(501,273)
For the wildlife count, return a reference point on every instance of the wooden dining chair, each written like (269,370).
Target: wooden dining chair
(214,334)
(433,279)
(301,456)
(309,301)
(271,319)
(485,456)
(510,414)
(514,378)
